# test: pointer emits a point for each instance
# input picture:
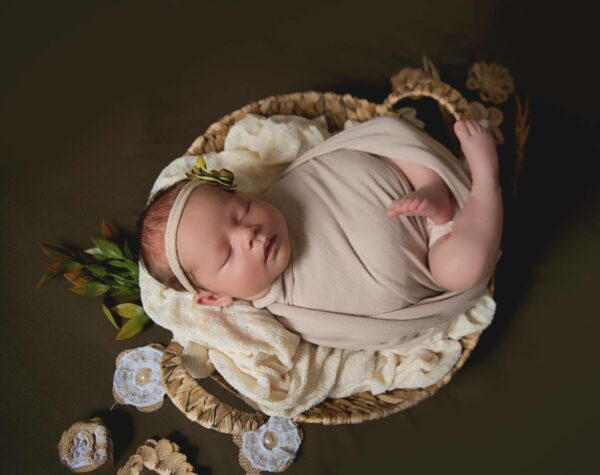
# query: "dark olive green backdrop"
(98, 96)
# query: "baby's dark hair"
(150, 232)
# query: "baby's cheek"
(252, 280)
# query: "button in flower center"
(270, 440)
(143, 377)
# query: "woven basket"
(202, 407)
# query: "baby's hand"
(431, 201)
(410, 205)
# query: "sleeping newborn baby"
(374, 239)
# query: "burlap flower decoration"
(272, 447)
(85, 446)
(162, 457)
(137, 381)
(411, 76)
(493, 81)
(407, 76)
(489, 118)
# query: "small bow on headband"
(223, 177)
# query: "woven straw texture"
(185, 392)
(157, 456)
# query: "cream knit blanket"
(272, 368)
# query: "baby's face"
(221, 240)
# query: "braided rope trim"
(199, 405)
(161, 456)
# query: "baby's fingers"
(396, 207)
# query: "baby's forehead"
(210, 203)
(210, 196)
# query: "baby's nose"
(248, 237)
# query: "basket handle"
(448, 97)
(198, 404)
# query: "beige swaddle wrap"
(358, 279)
(271, 367)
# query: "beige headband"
(199, 175)
(171, 233)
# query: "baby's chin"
(264, 291)
(257, 295)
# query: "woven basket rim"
(205, 409)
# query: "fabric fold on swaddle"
(358, 279)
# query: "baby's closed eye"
(243, 216)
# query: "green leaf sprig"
(105, 270)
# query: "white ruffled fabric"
(88, 450)
(125, 384)
(274, 456)
(272, 368)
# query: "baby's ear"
(202, 297)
